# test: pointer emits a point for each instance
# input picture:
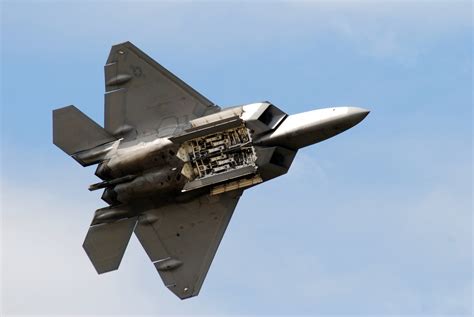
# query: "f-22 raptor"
(173, 165)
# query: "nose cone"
(314, 126)
(356, 114)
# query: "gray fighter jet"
(173, 164)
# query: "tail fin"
(73, 131)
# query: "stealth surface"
(142, 97)
(105, 243)
(180, 164)
(182, 239)
(73, 131)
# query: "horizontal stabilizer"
(105, 243)
(73, 131)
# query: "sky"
(375, 221)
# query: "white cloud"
(307, 249)
(46, 271)
(356, 248)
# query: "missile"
(104, 184)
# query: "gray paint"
(173, 165)
(74, 132)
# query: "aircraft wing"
(182, 239)
(143, 97)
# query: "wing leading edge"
(143, 97)
(182, 239)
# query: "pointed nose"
(356, 114)
(347, 118)
(302, 129)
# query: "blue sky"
(377, 220)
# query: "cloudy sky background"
(375, 221)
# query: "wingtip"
(122, 44)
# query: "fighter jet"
(173, 164)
